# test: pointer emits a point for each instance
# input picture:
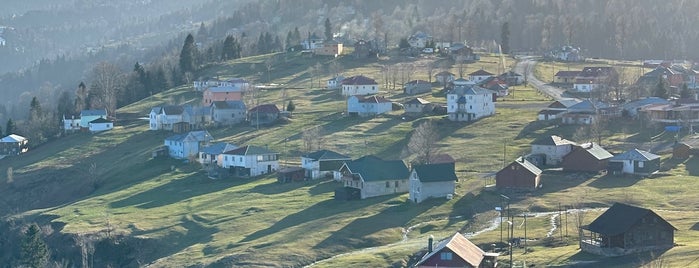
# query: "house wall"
(175, 149)
(85, 120)
(650, 231)
(349, 90)
(587, 87)
(71, 124)
(378, 188)
(228, 116)
(412, 89)
(444, 79)
(581, 160)
(209, 96)
(311, 166)
(258, 164)
(96, 127)
(476, 107)
(437, 261)
(516, 176)
(154, 122)
(366, 109)
(478, 78)
(13, 148)
(419, 191)
(414, 108)
(554, 154)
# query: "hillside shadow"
(531, 129)
(173, 192)
(383, 127)
(275, 187)
(357, 234)
(613, 181)
(322, 95)
(556, 181)
(323, 187)
(175, 241)
(317, 211)
(343, 123)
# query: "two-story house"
(209, 154)
(229, 112)
(164, 118)
(185, 145)
(222, 93)
(372, 176)
(553, 148)
(479, 76)
(359, 85)
(367, 105)
(249, 161)
(431, 181)
(469, 102)
(323, 163)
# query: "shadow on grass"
(358, 233)
(175, 241)
(277, 188)
(317, 211)
(175, 191)
(323, 187)
(612, 181)
(322, 95)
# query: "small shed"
(681, 150)
(520, 174)
(290, 174)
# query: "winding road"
(526, 66)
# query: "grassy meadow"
(108, 183)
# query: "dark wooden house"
(625, 229)
(456, 251)
(290, 174)
(681, 150)
(590, 157)
(520, 174)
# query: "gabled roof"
(372, 99)
(265, 108)
(218, 148)
(359, 80)
(326, 155)
(435, 172)
(526, 165)
(564, 103)
(470, 90)
(480, 72)
(643, 102)
(191, 136)
(596, 150)
(101, 112)
(587, 106)
(420, 101)
(373, 168)
(234, 104)
(225, 89)
(462, 247)
(13, 138)
(250, 150)
(197, 110)
(100, 121)
(172, 110)
(619, 218)
(552, 140)
(635, 155)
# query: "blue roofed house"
(185, 145)
(165, 117)
(87, 116)
(371, 176)
(13, 145)
(636, 162)
(432, 180)
(468, 102)
(209, 154)
(323, 163)
(632, 108)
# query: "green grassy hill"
(107, 184)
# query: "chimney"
(429, 244)
(521, 159)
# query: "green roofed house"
(625, 229)
(432, 180)
(323, 163)
(371, 176)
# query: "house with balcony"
(467, 102)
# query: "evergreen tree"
(33, 250)
(269, 42)
(505, 37)
(660, 89)
(328, 30)
(159, 81)
(291, 106)
(34, 109)
(289, 40)
(2, 135)
(80, 98)
(297, 36)
(188, 55)
(65, 105)
(10, 127)
(231, 48)
(261, 45)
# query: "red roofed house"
(565, 77)
(479, 75)
(263, 114)
(359, 85)
(367, 105)
(456, 251)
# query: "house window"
(396, 184)
(445, 256)
(388, 184)
(640, 164)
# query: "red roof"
(359, 80)
(265, 108)
(480, 72)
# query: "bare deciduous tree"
(10, 175)
(106, 82)
(312, 139)
(430, 70)
(423, 142)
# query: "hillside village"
(354, 143)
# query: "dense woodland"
(52, 48)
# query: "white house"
(335, 82)
(323, 163)
(372, 176)
(367, 106)
(100, 124)
(553, 147)
(229, 112)
(182, 146)
(312, 42)
(13, 145)
(359, 85)
(635, 162)
(419, 40)
(479, 76)
(86, 116)
(249, 161)
(432, 180)
(209, 154)
(71, 123)
(469, 102)
(165, 117)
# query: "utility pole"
(525, 232)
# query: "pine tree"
(231, 48)
(65, 105)
(505, 37)
(660, 89)
(34, 109)
(10, 127)
(80, 98)
(289, 40)
(328, 30)
(33, 250)
(188, 55)
(291, 106)
(403, 43)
